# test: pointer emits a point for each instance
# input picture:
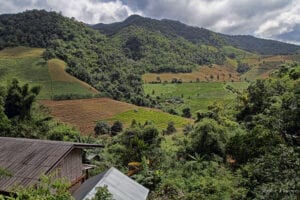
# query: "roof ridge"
(75, 144)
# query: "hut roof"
(118, 184)
(28, 159)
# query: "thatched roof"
(28, 159)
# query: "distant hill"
(172, 28)
(155, 52)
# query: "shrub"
(102, 128)
(116, 128)
(170, 128)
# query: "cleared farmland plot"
(214, 73)
(84, 113)
(28, 66)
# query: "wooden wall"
(70, 168)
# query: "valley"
(186, 112)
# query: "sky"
(272, 19)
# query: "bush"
(116, 128)
(208, 139)
(102, 128)
(170, 128)
(186, 112)
(72, 96)
(243, 68)
(102, 194)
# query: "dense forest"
(173, 29)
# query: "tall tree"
(19, 99)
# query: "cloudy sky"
(276, 19)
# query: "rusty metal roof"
(28, 159)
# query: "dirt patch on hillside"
(84, 113)
(213, 73)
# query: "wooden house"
(28, 159)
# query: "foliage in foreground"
(46, 189)
(249, 152)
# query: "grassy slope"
(159, 118)
(27, 65)
(197, 96)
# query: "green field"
(160, 119)
(196, 96)
(28, 66)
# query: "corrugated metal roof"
(28, 159)
(119, 185)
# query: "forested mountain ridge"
(172, 28)
(89, 55)
(154, 52)
(113, 64)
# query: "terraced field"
(84, 113)
(28, 66)
(262, 67)
(196, 96)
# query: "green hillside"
(28, 66)
(154, 52)
(196, 35)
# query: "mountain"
(90, 55)
(197, 35)
(113, 59)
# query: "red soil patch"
(84, 113)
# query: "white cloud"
(89, 11)
(283, 22)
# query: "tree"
(186, 112)
(136, 143)
(208, 139)
(170, 128)
(102, 128)
(274, 104)
(102, 194)
(4, 121)
(19, 100)
(116, 128)
(274, 175)
(249, 145)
